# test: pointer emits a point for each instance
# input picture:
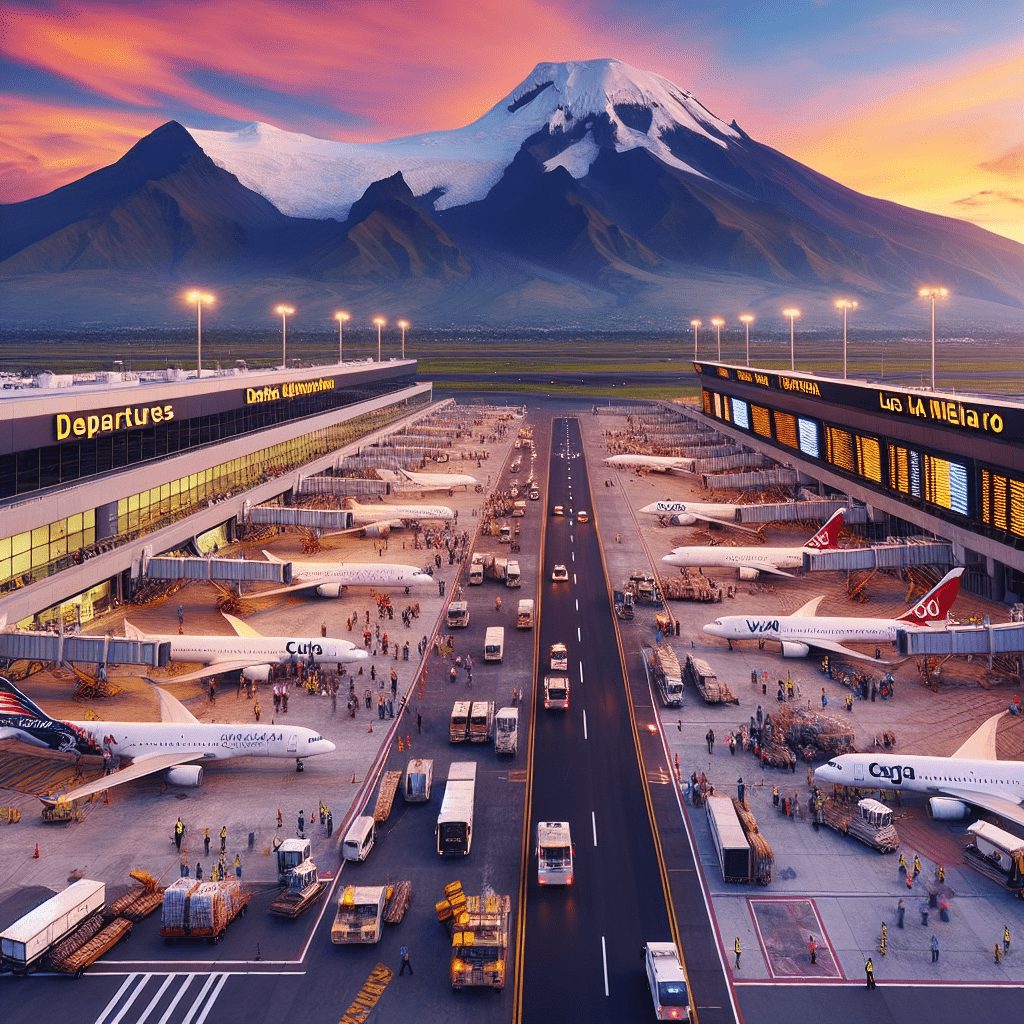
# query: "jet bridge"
(231, 570)
(321, 519)
(98, 650)
(987, 639)
(818, 510)
(901, 555)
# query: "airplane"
(687, 513)
(427, 481)
(971, 777)
(330, 579)
(750, 562)
(799, 632)
(249, 652)
(655, 463)
(171, 745)
(380, 520)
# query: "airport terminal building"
(951, 465)
(92, 473)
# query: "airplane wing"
(172, 710)
(771, 569)
(846, 652)
(988, 802)
(138, 769)
(720, 522)
(213, 669)
(810, 609)
(295, 588)
(242, 628)
(981, 744)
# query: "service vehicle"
(558, 510)
(478, 926)
(504, 534)
(667, 981)
(506, 731)
(24, 945)
(458, 614)
(304, 888)
(494, 643)
(455, 821)
(513, 577)
(476, 570)
(583, 516)
(519, 510)
(458, 727)
(559, 658)
(663, 670)
(201, 910)
(534, 493)
(360, 838)
(730, 841)
(554, 853)
(560, 574)
(360, 917)
(524, 614)
(419, 777)
(481, 721)
(290, 854)
(997, 854)
(556, 692)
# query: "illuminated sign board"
(95, 424)
(291, 389)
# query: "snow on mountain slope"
(308, 177)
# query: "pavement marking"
(581, 673)
(140, 985)
(152, 1003)
(117, 995)
(209, 1002)
(208, 984)
(577, 599)
(373, 988)
(579, 638)
(593, 822)
(604, 957)
(177, 999)
(585, 724)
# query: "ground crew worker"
(812, 949)
(206, 842)
(869, 971)
(917, 865)
(223, 839)
(902, 865)
(775, 795)
(179, 831)
(998, 953)
(710, 738)
(942, 874)
(406, 966)
(199, 871)
(737, 950)
(238, 865)
(256, 709)
(1006, 938)
(280, 820)
(935, 949)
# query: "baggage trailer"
(386, 796)
(201, 910)
(24, 945)
(478, 926)
(74, 958)
(304, 889)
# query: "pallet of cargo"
(398, 902)
(706, 682)
(386, 796)
(201, 910)
(86, 955)
(868, 820)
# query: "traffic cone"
(371, 728)
(35, 856)
(401, 746)
(408, 742)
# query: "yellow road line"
(366, 1000)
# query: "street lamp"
(341, 318)
(933, 294)
(403, 324)
(284, 311)
(380, 322)
(845, 305)
(696, 325)
(199, 298)
(717, 322)
(792, 314)
(746, 319)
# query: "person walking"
(206, 842)
(812, 949)
(935, 949)
(224, 839)
(199, 871)
(869, 972)
(710, 740)
(406, 965)
(256, 709)
(901, 909)
(998, 952)
(238, 865)
(740, 789)
(419, 722)
(179, 832)
(1006, 938)
(737, 949)
(302, 824)
(824, 704)
(775, 795)
(917, 866)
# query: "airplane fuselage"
(687, 513)
(656, 463)
(398, 515)
(266, 650)
(804, 629)
(360, 574)
(727, 557)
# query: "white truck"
(481, 721)
(513, 577)
(419, 777)
(494, 643)
(360, 917)
(458, 614)
(524, 614)
(290, 854)
(476, 570)
(554, 853)
(24, 945)
(506, 731)
(556, 692)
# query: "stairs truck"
(478, 926)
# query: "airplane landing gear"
(299, 766)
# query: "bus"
(494, 643)
(554, 853)
(455, 822)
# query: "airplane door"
(293, 743)
(858, 773)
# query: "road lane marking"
(201, 1019)
(579, 635)
(152, 1003)
(208, 984)
(142, 983)
(593, 823)
(585, 724)
(604, 957)
(177, 999)
(581, 673)
(117, 995)
(577, 599)
(369, 994)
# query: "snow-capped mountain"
(586, 105)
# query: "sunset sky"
(915, 102)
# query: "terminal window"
(899, 469)
(785, 428)
(1002, 502)
(741, 413)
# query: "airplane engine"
(330, 589)
(190, 775)
(257, 673)
(947, 809)
(377, 530)
(793, 649)
(746, 573)
(682, 520)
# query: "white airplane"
(799, 632)
(427, 481)
(655, 463)
(397, 515)
(687, 513)
(171, 745)
(750, 562)
(972, 777)
(249, 652)
(330, 579)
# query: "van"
(524, 614)
(359, 839)
(458, 730)
(554, 853)
(494, 643)
(458, 614)
(476, 571)
(506, 731)
(481, 721)
(505, 534)
(534, 493)
(513, 576)
(556, 692)
(419, 776)
(519, 509)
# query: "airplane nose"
(327, 747)
(713, 629)
(423, 578)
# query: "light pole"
(792, 314)
(933, 294)
(845, 305)
(284, 311)
(380, 322)
(696, 325)
(199, 298)
(403, 324)
(717, 322)
(746, 319)
(341, 318)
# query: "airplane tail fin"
(271, 558)
(828, 536)
(133, 632)
(935, 605)
(14, 703)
